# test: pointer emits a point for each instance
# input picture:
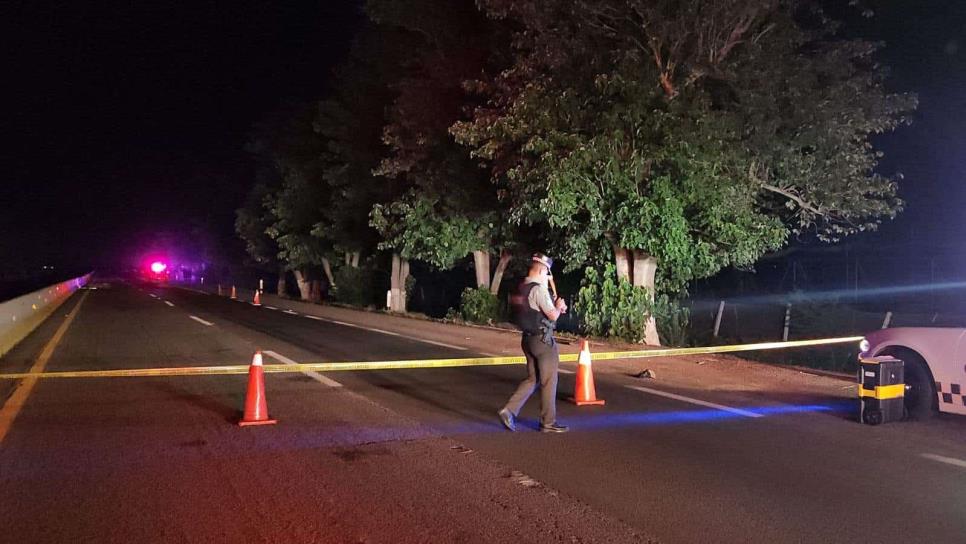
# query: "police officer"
(538, 317)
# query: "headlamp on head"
(544, 260)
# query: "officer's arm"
(547, 306)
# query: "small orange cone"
(257, 301)
(234, 294)
(584, 392)
(256, 407)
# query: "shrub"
(672, 321)
(616, 308)
(354, 286)
(479, 305)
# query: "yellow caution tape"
(678, 352)
(422, 363)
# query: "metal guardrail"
(20, 316)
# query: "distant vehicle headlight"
(864, 346)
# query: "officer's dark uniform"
(543, 358)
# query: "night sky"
(127, 119)
(124, 119)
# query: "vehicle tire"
(872, 417)
(920, 396)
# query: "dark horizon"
(128, 121)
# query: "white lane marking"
(169, 304)
(271, 308)
(153, 295)
(564, 371)
(202, 321)
(290, 312)
(390, 333)
(315, 317)
(310, 373)
(947, 460)
(699, 402)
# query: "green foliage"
(611, 307)
(251, 222)
(672, 321)
(479, 305)
(616, 308)
(415, 228)
(704, 137)
(444, 206)
(356, 286)
(410, 286)
(703, 134)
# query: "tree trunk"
(305, 285)
(397, 290)
(352, 258)
(282, 287)
(316, 290)
(328, 272)
(645, 267)
(623, 264)
(505, 257)
(481, 263)
(639, 268)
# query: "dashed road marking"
(390, 333)
(948, 460)
(270, 308)
(202, 321)
(315, 317)
(290, 312)
(310, 373)
(153, 295)
(564, 371)
(699, 402)
(169, 304)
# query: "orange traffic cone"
(257, 301)
(234, 294)
(584, 392)
(256, 407)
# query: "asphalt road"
(419, 456)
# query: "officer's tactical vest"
(530, 320)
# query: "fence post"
(887, 320)
(788, 320)
(717, 318)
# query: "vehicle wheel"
(920, 395)
(872, 417)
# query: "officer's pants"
(542, 363)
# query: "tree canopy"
(692, 135)
(703, 133)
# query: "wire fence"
(714, 322)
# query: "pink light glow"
(157, 267)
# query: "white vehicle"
(935, 366)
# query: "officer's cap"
(543, 259)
